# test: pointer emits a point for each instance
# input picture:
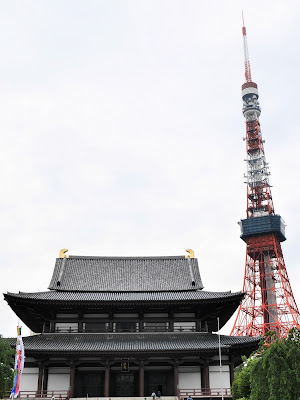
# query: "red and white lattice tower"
(269, 304)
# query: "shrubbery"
(6, 366)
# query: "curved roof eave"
(157, 296)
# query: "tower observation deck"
(269, 304)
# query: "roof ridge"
(127, 257)
(136, 291)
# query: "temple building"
(128, 326)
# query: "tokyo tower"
(269, 304)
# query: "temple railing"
(152, 328)
(41, 394)
(200, 393)
(183, 394)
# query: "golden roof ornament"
(62, 253)
(191, 253)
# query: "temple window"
(125, 326)
(184, 326)
(66, 327)
(95, 326)
(156, 326)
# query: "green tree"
(241, 387)
(273, 372)
(6, 366)
(276, 375)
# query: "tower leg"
(269, 304)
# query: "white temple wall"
(58, 378)
(218, 380)
(189, 377)
(29, 379)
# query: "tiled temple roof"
(134, 342)
(126, 274)
(99, 283)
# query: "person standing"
(153, 395)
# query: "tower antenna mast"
(246, 54)
(269, 304)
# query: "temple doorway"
(89, 384)
(162, 381)
(123, 384)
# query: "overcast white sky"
(121, 133)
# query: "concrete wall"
(189, 377)
(29, 379)
(59, 378)
(217, 380)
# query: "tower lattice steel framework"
(269, 303)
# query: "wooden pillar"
(106, 379)
(176, 389)
(52, 326)
(141, 321)
(110, 322)
(80, 322)
(231, 370)
(171, 321)
(45, 380)
(198, 321)
(205, 385)
(52, 322)
(72, 379)
(40, 380)
(142, 379)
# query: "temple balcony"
(135, 328)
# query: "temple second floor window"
(93, 326)
(66, 327)
(125, 326)
(156, 326)
(184, 326)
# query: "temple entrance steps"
(124, 398)
(211, 396)
(27, 396)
